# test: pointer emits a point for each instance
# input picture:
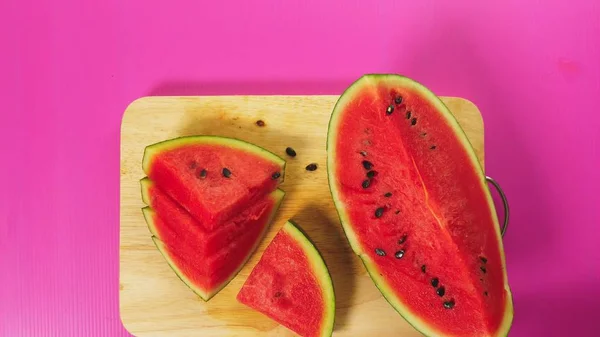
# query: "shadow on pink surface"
(197, 88)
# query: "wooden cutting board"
(154, 302)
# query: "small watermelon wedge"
(213, 178)
(291, 285)
(205, 274)
(183, 229)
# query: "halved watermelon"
(185, 230)
(213, 178)
(207, 275)
(413, 202)
(291, 285)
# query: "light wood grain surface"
(154, 302)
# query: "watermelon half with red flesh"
(291, 285)
(174, 233)
(213, 177)
(414, 204)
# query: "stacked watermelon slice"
(209, 203)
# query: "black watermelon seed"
(379, 252)
(432, 147)
(399, 254)
(485, 293)
(276, 175)
(379, 212)
(483, 269)
(435, 282)
(366, 183)
(363, 153)
(202, 174)
(424, 134)
(449, 304)
(413, 121)
(402, 239)
(371, 174)
(226, 172)
(311, 167)
(388, 194)
(408, 113)
(290, 152)
(398, 99)
(483, 259)
(193, 165)
(260, 123)
(389, 110)
(397, 211)
(423, 268)
(278, 294)
(440, 291)
(367, 164)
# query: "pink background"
(69, 69)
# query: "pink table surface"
(70, 68)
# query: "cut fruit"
(291, 285)
(207, 275)
(414, 204)
(185, 230)
(213, 178)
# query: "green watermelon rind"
(278, 195)
(152, 150)
(320, 271)
(380, 283)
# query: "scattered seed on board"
(367, 164)
(399, 254)
(435, 282)
(260, 123)
(440, 291)
(311, 167)
(449, 304)
(276, 175)
(379, 212)
(366, 183)
(290, 152)
(379, 252)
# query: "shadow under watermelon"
(318, 222)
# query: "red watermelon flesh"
(414, 204)
(291, 285)
(213, 178)
(184, 229)
(205, 275)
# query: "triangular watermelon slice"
(213, 178)
(207, 275)
(291, 285)
(184, 229)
